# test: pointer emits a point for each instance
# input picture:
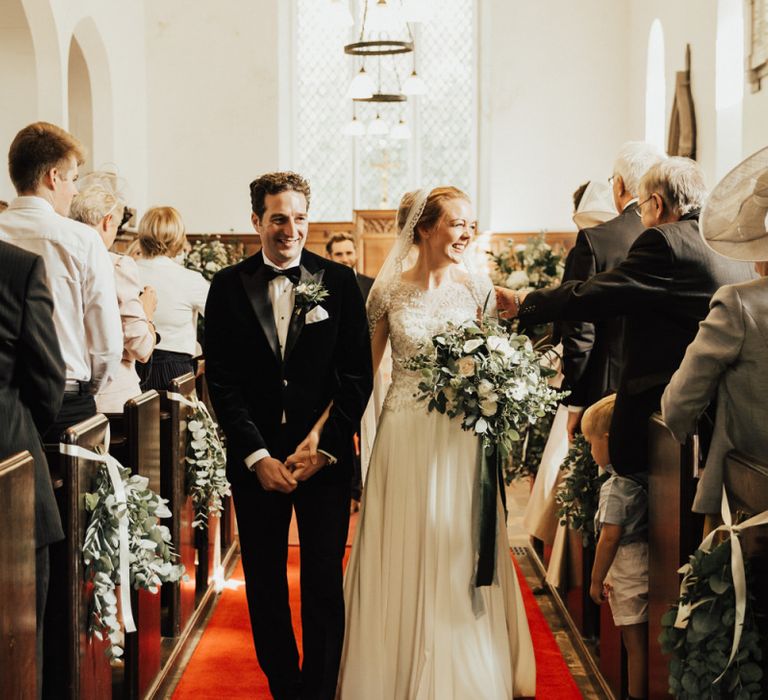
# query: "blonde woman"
(181, 295)
(101, 207)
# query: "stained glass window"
(370, 171)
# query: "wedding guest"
(181, 295)
(341, 248)
(101, 207)
(43, 162)
(728, 358)
(620, 569)
(32, 376)
(592, 350)
(662, 288)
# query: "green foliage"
(211, 255)
(206, 476)
(700, 651)
(493, 379)
(526, 453)
(150, 549)
(578, 494)
(531, 265)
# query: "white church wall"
(555, 95)
(214, 116)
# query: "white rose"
(519, 391)
(471, 345)
(517, 280)
(211, 266)
(466, 367)
(489, 406)
(484, 389)
(499, 345)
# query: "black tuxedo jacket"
(662, 289)
(251, 385)
(592, 350)
(32, 375)
(365, 283)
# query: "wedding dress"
(416, 627)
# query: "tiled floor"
(517, 498)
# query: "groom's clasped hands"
(305, 462)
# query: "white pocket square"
(316, 314)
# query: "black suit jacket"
(32, 375)
(251, 385)
(592, 351)
(662, 289)
(365, 283)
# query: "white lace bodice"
(414, 316)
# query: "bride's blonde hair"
(433, 209)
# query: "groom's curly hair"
(275, 183)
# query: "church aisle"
(224, 663)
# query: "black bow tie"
(292, 273)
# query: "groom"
(276, 357)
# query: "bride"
(416, 627)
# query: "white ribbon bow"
(737, 572)
(122, 521)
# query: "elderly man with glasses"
(662, 289)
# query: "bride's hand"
(309, 444)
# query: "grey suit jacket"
(728, 357)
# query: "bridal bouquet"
(491, 377)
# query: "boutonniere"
(308, 293)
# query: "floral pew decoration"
(209, 256)
(124, 544)
(712, 633)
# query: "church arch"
(655, 87)
(91, 94)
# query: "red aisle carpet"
(224, 663)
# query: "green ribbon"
(489, 466)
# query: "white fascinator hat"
(596, 206)
(733, 219)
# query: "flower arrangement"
(151, 553)
(209, 256)
(531, 265)
(700, 649)
(308, 293)
(206, 476)
(490, 377)
(578, 494)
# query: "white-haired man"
(592, 350)
(662, 289)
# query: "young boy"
(620, 571)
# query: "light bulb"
(354, 128)
(401, 130)
(378, 127)
(414, 85)
(361, 86)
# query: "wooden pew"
(178, 599)
(674, 533)
(17, 577)
(75, 665)
(583, 612)
(136, 444)
(746, 482)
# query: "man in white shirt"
(43, 161)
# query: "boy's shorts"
(628, 577)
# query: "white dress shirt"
(282, 297)
(82, 282)
(181, 295)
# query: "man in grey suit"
(662, 289)
(592, 350)
(728, 358)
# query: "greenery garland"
(579, 492)
(700, 651)
(206, 466)
(150, 549)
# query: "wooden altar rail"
(75, 665)
(136, 444)
(17, 577)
